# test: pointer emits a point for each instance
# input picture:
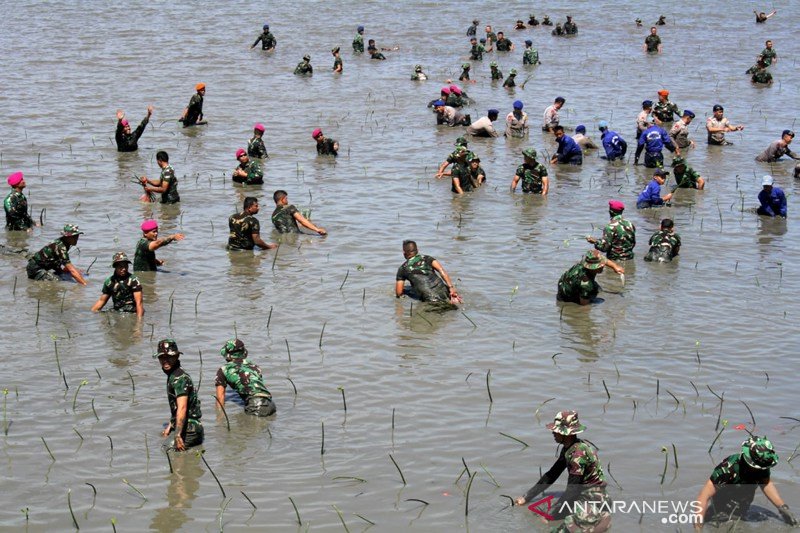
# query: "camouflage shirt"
(267, 40)
(736, 486)
(242, 227)
(582, 461)
(244, 377)
(326, 147)
(510, 81)
(761, 76)
(51, 257)
(497, 74)
(476, 52)
(574, 285)
(144, 259)
(531, 177)
(664, 246)
(304, 68)
(255, 174)
(530, 56)
(256, 148)
(337, 62)
(687, 179)
(129, 142)
(121, 291)
(283, 219)
(664, 111)
(473, 174)
(461, 171)
(180, 384)
(16, 207)
(464, 76)
(358, 43)
(424, 280)
(194, 110)
(619, 239)
(170, 196)
(768, 55)
(454, 100)
(652, 42)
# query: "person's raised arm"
(158, 243)
(771, 492)
(614, 266)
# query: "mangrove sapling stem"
(606, 388)
(227, 420)
(288, 351)
(69, 504)
(345, 279)
(78, 433)
(474, 325)
(293, 386)
(48, 449)
(169, 461)
(463, 462)
(496, 484)
(344, 401)
(142, 496)
(469, 486)
(675, 455)
(322, 444)
(402, 477)
(248, 500)
(296, 512)
(94, 411)
(269, 317)
(74, 398)
(110, 443)
(277, 249)
(751, 413)
(341, 518)
(713, 442)
(367, 520)
(321, 333)
(612, 476)
(666, 459)
(222, 490)
(525, 444)
(488, 388)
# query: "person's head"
(529, 154)
(121, 264)
(488, 28)
(662, 18)
(475, 22)
(371, 43)
(438, 106)
(317, 135)
(679, 164)
(653, 30)
(602, 125)
(70, 234)
(241, 156)
(558, 131)
(559, 102)
(569, 18)
(565, 426)
(258, 130)
(162, 158)
(647, 105)
(460, 153)
(306, 58)
(16, 180)
(233, 350)
(280, 197)
(787, 136)
(360, 29)
(660, 175)
(512, 72)
(473, 41)
(126, 126)
(335, 51)
(718, 111)
(638, 22)
(483, 40)
(528, 43)
(474, 161)
(445, 91)
(200, 88)
(265, 27)
(493, 65)
(688, 116)
(492, 114)
(250, 205)
(768, 44)
(593, 263)
(461, 141)
(663, 94)
(418, 68)
(615, 207)
(409, 249)
(667, 224)
(500, 36)
(759, 453)
(518, 105)
(168, 355)
(580, 128)
(150, 229)
(766, 182)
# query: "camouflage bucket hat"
(234, 349)
(593, 260)
(418, 68)
(167, 347)
(566, 423)
(678, 161)
(759, 453)
(306, 57)
(471, 156)
(529, 152)
(70, 230)
(120, 257)
(460, 150)
(493, 64)
(461, 141)
(512, 72)
(466, 66)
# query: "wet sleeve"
(258, 39)
(255, 227)
(107, 287)
(118, 134)
(140, 129)
(782, 204)
(401, 274)
(255, 172)
(292, 210)
(219, 379)
(571, 494)
(181, 385)
(547, 479)
(135, 285)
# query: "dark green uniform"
(619, 239)
(454, 100)
(476, 52)
(510, 81)
(530, 56)
(376, 54)
(504, 45)
(255, 174)
(497, 74)
(170, 196)
(144, 259)
(652, 42)
(16, 208)
(194, 111)
(736, 486)
(180, 384)
(129, 142)
(570, 28)
(267, 40)
(531, 177)
(121, 292)
(420, 273)
(242, 226)
(464, 75)
(686, 179)
(326, 147)
(283, 219)
(768, 55)
(256, 148)
(246, 379)
(358, 43)
(48, 263)
(337, 62)
(461, 171)
(761, 75)
(664, 111)
(664, 246)
(473, 176)
(575, 285)
(304, 68)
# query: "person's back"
(242, 227)
(664, 246)
(419, 271)
(574, 285)
(283, 219)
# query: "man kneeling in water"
(426, 275)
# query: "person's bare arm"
(514, 183)
(261, 244)
(457, 186)
(399, 287)
(137, 299)
(614, 266)
(303, 221)
(706, 493)
(157, 186)
(220, 396)
(442, 167)
(158, 243)
(545, 185)
(443, 273)
(180, 421)
(75, 273)
(102, 301)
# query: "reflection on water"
(184, 482)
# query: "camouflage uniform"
(337, 62)
(144, 259)
(245, 378)
(194, 111)
(180, 384)
(358, 43)
(256, 148)
(283, 219)
(476, 52)
(129, 142)
(326, 147)
(419, 271)
(267, 40)
(472, 175)
(454, 100)
(531, 177)
(242, 226)
(570, 28)
(496, 73)
(170, 196)
(51, 257)
(574, 285)
(736, 487)
(461, 171)
(465, 68)
(686, 179)
(530, 56)
(652, 42)
(510, 79)
(16, 208)
(761, 76)
(768, 55)
(619, 239)
(376, 54)
(121, 292)
(664, 246)
(664, 111)
(255, 174)
(304, 68)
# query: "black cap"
(661, 172)
(790, 133)
(718, 107)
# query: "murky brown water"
(733, 290)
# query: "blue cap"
(580, 129)
(528, 42)
(647, 103)
(438, 102)
(602, 125)
(360, 28)
(266, 26)
(688, 113)
(518, 104)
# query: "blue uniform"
(615, 146)
(569, 151)
(773, 203)
(650, 196)
(653, 140)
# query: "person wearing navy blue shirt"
(772, 199)
(651, 195)
(652, 141)
(615, 146)
(569, 152)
